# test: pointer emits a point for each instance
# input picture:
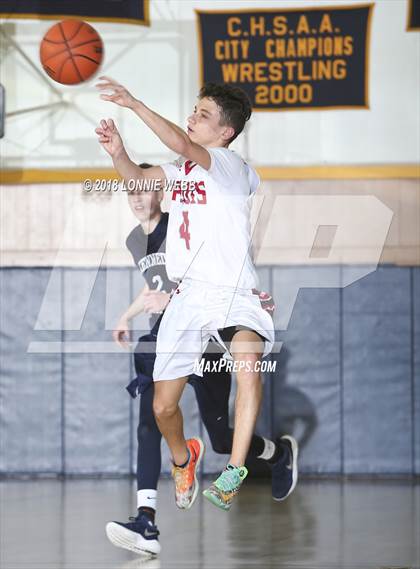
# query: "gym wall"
(347, 382)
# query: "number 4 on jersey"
(183, 229)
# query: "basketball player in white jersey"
(208, 255)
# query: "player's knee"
(220, 435)
(221, 446)
(248, 364)
(163, 410)
(252, 358)
(146, 428)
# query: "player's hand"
(109, 137)
(155, 301)
(118, 94)
(121, 334)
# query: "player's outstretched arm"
(169, 133)
(111, 141)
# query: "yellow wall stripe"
(379, 172)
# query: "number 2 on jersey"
(159, 282)
(183, 229)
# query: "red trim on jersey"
(189, 165)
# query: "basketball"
(71, 52)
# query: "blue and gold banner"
(413, 23)
(307, 58)
(124, 11)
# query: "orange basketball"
(71, 51)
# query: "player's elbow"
(221, 446)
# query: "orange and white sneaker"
(186, 483)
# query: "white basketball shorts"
(194, 314)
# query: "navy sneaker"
(285, 472)
(139, 535)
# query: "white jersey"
(208, 236)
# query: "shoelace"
(229, 479)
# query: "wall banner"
(125, 11)
(307, 58)
(413, 23)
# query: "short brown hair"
(233, 102)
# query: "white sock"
(269, 449)
(146, 499)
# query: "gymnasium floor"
(327, 524)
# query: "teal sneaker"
(225, 488)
